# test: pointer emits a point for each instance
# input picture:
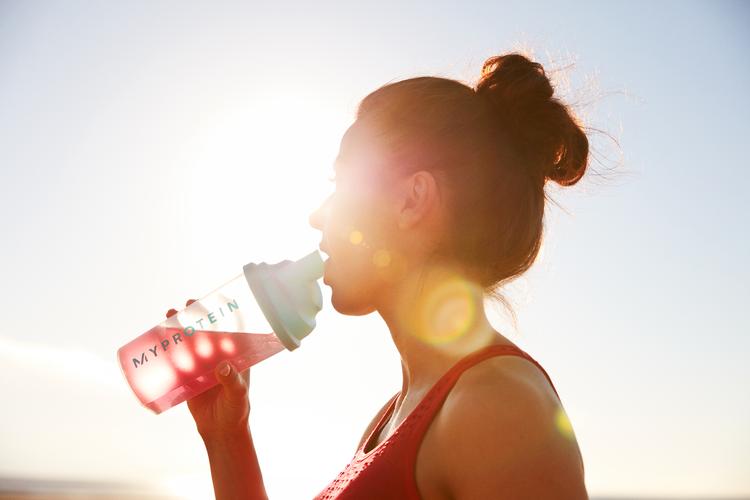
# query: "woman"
(439, 200)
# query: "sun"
(258, 164)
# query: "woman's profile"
(439, 201)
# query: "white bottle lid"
(289, 295)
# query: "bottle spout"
(311, 265)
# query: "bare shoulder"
(502, 428)
(506, 374)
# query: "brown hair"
(492, 148)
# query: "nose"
(317, 218)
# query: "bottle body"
(175, 360)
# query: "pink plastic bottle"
(264, 310)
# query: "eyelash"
(332, 179)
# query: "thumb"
(230, 379)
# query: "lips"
(322, 249)
(325, 263)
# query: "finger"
(245, 376)
(172, 312)
(234, 384)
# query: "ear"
(419, 196)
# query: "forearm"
(235, 470)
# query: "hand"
(223, 410)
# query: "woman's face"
(358, 225)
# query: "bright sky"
(148, 151)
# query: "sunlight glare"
(227, 345)
(447, 313)
(183, 359)
(269, 154)
(563, 425)
(203, 346)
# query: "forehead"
(358, 148)
(360, 165)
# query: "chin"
(349, 304)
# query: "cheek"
(347, 241)
(356, 231)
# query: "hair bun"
(542, 129)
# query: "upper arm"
(503, 435)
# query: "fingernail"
(224, 370)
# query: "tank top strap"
(434, 399)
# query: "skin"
(496, 434)
(496, 431)
(221, 416)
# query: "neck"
(436, 316)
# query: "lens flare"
(448, 312)
(382, 258)
(563, 425)
(355, 237)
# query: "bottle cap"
(289, 295)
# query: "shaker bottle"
(262, 311)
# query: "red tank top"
(388, 470)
